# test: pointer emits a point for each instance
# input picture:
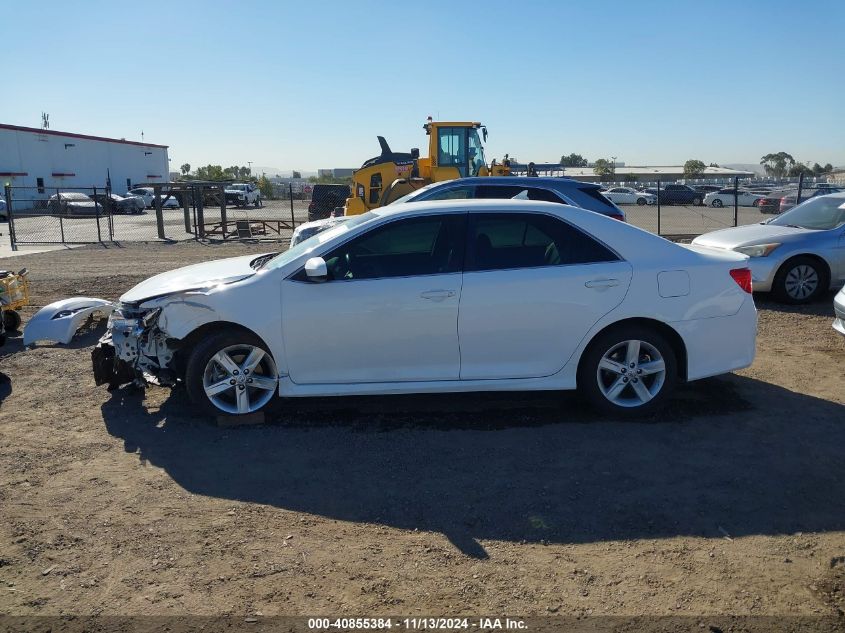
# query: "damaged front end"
(134, 349)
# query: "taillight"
(618, 216)
(742, 276)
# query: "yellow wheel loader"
(455, 150)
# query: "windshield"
(410, 197)
(315, 240)
(821, 213)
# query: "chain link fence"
(208, 210)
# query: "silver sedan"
(798, 255)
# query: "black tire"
(696, 202)
(718, 204)
(786, 286)
(11, 320)
(199, 359)
(641, 201)
(589, 376)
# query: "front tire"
(231, 372)
(628, 371)
(11, 320)
(800, 280)
(696, 202)
(641, 201)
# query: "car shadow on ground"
(730, 455)
(823, 306)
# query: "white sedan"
(628, 195)
(725, 198)
(459, 295)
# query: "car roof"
(516, 206)
(522, 181)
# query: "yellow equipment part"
(455, 151)
(14, 289)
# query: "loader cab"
(455, 151)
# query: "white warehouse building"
(34, 157)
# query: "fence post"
(110, 216)
(290, 192)
(8, 195)
(223, 222)
(200, 232)
(97, 216)
(159, 214)
(800, 187)
(61, 215)
(185, 208)
(658, 206)
(736, 201)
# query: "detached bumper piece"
(109, 369)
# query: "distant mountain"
(257, 170)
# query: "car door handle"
(437, 295)
(602, 283)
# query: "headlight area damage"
(134, 349)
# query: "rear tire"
(800, 280)
(609, 382)
(718, 204)
(11, 320)
(231, 372)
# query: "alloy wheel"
(801, 282)
(240, 379)
(631, 373)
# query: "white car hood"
(746, 235)
(194, 277)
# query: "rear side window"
(498, 241)
(597, 201)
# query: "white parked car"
(459, 295)
(839, 311)
(629, 195)
(725, 198)
(145, 193)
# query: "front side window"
(451, 193)
(428, 245)
(500, 241)
(476, 153)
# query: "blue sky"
(307, 85)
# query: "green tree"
(777, 165)
(186, 169)
(713, 165)
(602, 168)
(296, 174)
(265, 187)
(210, 172)
(573, 160)
(799, 168)
(827, 168)
(694, 168)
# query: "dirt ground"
(730, 501)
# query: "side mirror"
(315, 270)
(415, 153)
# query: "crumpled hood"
(746, 235)
(192, 277)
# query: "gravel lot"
(674, 220)
(730, 501)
